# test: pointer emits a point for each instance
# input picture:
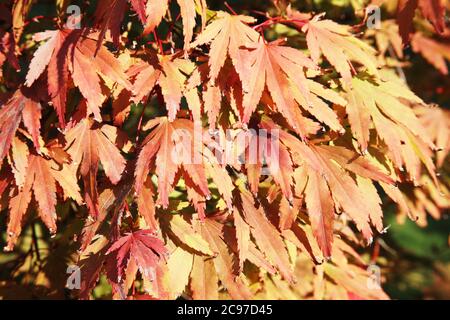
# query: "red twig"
(158, 41)
(297, 23)
(376, 252)
(37, 18)
(140, 123)
(142, 116)
(230, 8)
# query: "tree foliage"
(94, 108)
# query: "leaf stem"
(230, 8)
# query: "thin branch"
(35, 242)
(230, 8)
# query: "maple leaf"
(71, 50)
(156, 9)
(386, 36)
(242, 236)
(356, 209)
(91, 261)
(277, 159)
(187, 11)
(179, 266)
(338, 46)
(343, 273)
(146, 204)
(347, 195)
(437, 123)
(316, 105)
(394, 121)
(227, 34)
(415, 202)
(204, 279)
(18, 160)
(7, 51)
(40, 178)
(170, 74)
(436, 53)
(139, 7)
(405, 14)
(146, 76)
(275, 66)
(351, 279)
(172, 82)
(227, 87)
(159, 146)
(111, 200)
(89, 143)
(19, 108)
(109, 17)
(20, 11)
(212, 232)
(432, 10)
(339, 279)
(54, 55)
(331, 164)
(44, 189)
(266, 235)
(236, 238)
(141, 248)
(321, 210)
(172, 146)
(181, 230)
